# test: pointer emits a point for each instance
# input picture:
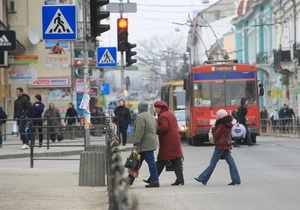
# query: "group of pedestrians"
(281, 120)
(146, 129)
(36, 114)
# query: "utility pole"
(86, 98)
(295, 26)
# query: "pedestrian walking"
(274, 120)
(3, 118)
(71, 120)
(22, 109)
(221, 132)
(123, 120)
(290, 120)
(241, 118)
(145, 141)
(283, 118)
(169, 142)
(52, 115)
(264, 119)
(37, 110)
(95, 120)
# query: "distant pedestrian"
(274, 120)
(145, 141)
(1, 122)
(22, 109)
(221, 132)
(290, 116)
(241, 118)
(95, 120)
(37, 110)
(264, 119)
(52, 115)
(71, 119)
(283, 117)
(123, 120)
(102, 120)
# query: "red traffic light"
(122, 23)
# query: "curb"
(52, 154)
(44, 154)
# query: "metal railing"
(281, 127)
(118, 199)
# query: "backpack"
(235, 114)
(3, 116)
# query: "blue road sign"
(105, 89)
(106, 56)
(59, 22)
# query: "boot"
(235, 143)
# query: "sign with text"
(51, 82)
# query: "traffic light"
(122, 34)
(96, 16)
(129, 54)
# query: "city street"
(269, 172)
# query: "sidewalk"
(50, 184)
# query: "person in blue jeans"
(222, 134)
(145, 141)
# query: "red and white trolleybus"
(219, 85)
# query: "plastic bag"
(14, 129)
(238, 131)
(129, 129)
(211, 137)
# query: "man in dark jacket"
(123, 120)
(21, 112)
(242, 112)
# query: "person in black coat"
(71, 120)
(241, 118)
(123, 120)
(21, 112)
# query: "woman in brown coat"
(169, 142)
(222, 135)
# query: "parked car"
(180, 116)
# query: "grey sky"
(154, 18)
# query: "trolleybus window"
(218, 93)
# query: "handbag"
(60, 137)
(132, 162)
(211, 137)
(169, 166)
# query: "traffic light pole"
(122, 73)
(122, 56)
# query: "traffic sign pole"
(86, 79)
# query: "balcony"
(262, 58)
(281, 56)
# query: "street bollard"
(92, 169)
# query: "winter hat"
(243, 100)
(222, 113)
(161, 104)
(143, 106)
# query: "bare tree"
(164, 55)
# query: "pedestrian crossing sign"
(106, 56)
(59, 22)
